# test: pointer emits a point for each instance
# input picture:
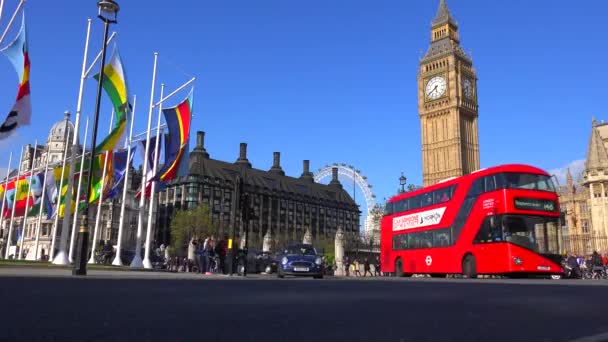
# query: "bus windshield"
(536, 233)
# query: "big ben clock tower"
(447, 104)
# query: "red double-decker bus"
(501, 220)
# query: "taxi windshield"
(300, 250)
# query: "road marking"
(593, 338)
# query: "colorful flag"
(21, 113)
(96, 184)
(178, 125)
(151, 157)
(17, 191)
(115, 85)
(120, 165)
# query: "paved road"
(50, 305)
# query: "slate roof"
(270, 182)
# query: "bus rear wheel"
(398, 268)
(469, 267)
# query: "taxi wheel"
(280, 274)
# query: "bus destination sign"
(535, 204)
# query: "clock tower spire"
(447, 104)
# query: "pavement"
(51, 305)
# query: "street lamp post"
(107, 12)
(402, 181)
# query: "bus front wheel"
(469, 267)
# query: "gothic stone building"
(586, 206)
(286, 206)
(447, 104)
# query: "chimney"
(306, 174)
(243, 151)
(200, 145)
(243, 156)
(276, 164)
(334, 177)
(200, 139)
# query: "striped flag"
(178, 124)
(21, 113)
(115, 85)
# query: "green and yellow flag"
(115, 85)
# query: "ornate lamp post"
(108, 13)
(402, 181)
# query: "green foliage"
(327, 246)
(190, 224)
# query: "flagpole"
(84, 144)
(100, 200)
(88, 70)
(10, 229)
(147, 263)
(137, 262)
(1, 7)
(125, 186)
(8, 173)
(56, 222)
(10, 23)
(27, 202)
(62, 258)
(42, 197)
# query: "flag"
(115, 85)
(151, 157)
(36, 193)
(21, 113)
(120, 165)
(17, 190)
(96, 184)
(178, 125)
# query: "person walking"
(367, 268)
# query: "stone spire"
(569, 182)
(597, 157)
(443, 15)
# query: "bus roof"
(473, 175)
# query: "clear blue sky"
(332, 81)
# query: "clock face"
(467, 88)
(435, 88)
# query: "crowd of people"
(352, 267)
(593, 266)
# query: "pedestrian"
(198, 254)
(377, 267)
(347, 265)
(356, 270)
(367, 268)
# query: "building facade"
(584, 201)
(58, 145)
(447, 104)
(286, 207)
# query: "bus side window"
(484, 234)
(490, 183)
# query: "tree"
(190, 224)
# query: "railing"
(585, 244)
